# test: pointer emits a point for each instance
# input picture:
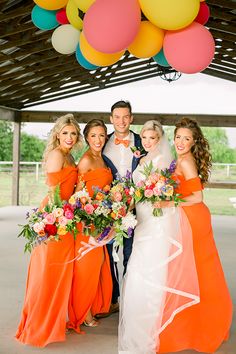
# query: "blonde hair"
(153, 125)
(60, 123)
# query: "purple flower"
(104, 233)
(172, 166)
(130, 232)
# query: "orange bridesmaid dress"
(45, 308)
(204, 326)
(92, 282)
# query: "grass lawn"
(33, 191)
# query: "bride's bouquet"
(158, 185)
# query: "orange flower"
(106, 188)
(99, 196)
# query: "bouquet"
(120, 197)
(106, 215)
(49, 223)
(157, 186)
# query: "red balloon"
(61, 17)
(111, 25)
(203, 14)
(189, 50)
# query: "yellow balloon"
(170, 14)
(51, 4)
(95, 57)
(73, 16)
(84, 5)
(148, 41)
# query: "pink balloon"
(189, 50)
(111, 25)
(61, 17)
(203, 14)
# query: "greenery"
(31, 147)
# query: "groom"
(119, 157)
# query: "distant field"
(33, 191)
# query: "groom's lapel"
(137, 143)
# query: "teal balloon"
(44, 19)
(161, 59)
(82, 61)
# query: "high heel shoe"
(92, 323)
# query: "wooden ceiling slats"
(32, 71)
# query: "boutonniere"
(138, 151)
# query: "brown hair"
(200, 149)
(122, 104)
(91, 124)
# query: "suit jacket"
(135, 161)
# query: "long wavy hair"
(60, 123)
(200, 149)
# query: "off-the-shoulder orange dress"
(92, 282)
(45, 308)
(204, 326)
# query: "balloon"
(203, 14)
(84, 4)
(61, 17)
(111, 25)
(189, 50)
(95, 57)
(44, 19)
(51, 4)
(65, 39)
(148, 41)
(170, 14)
(72, 14)
(82, 61)
(161, 59)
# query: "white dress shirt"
(120, 155)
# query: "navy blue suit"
(128, 242)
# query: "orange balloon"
(95, 57)
(148, 41)
(51, 4)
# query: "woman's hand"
(164, 204)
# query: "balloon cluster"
(173, 32)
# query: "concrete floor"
(100, 340)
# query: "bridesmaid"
(204, 326)
(92, 283)
(44, 313)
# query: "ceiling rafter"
(31, 71)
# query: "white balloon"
(65, 39)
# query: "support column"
(16, 162)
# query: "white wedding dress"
(152, 292)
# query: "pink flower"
(89, 208)
(148, 193)
(50, 219)
(117, 196)
(62, 220)
(69, 214)
(156, 191)
(140, 184)
(137, 154)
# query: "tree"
(31, 148)
(219, 145)
(6, 138)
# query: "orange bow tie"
(120, 141)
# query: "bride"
(161, 277)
